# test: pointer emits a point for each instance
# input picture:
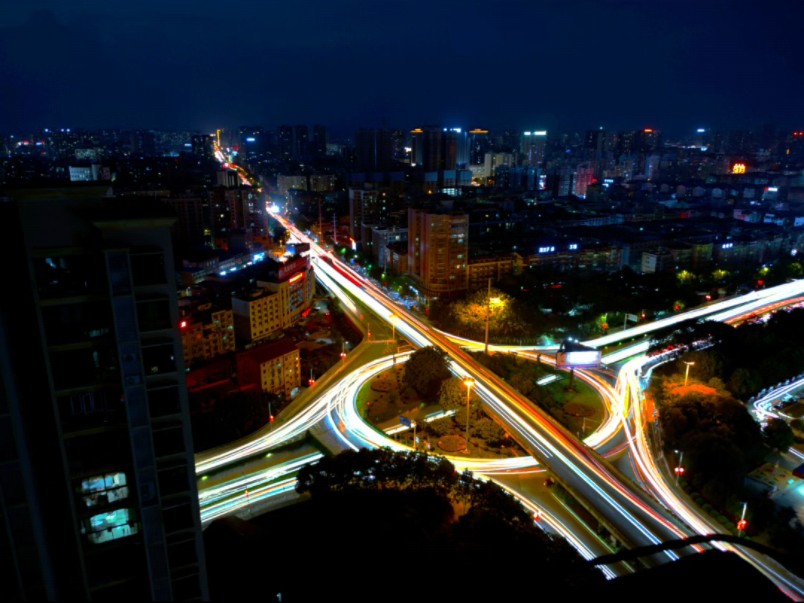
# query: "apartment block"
(97, 478)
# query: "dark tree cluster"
(403, 540)
(554, 303)
(388, 517)
(720, 441)
(379, 469)
(749, 358)
(425, 371)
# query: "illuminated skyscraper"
(438, 249)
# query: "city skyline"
(568, 66)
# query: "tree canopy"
(747, 358)
(778, 435)
(719, 439)
(425, 371)
(423, 511)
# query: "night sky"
(527, 64)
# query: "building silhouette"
(98, 492)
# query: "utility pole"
(488, 312)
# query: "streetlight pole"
(488, 312)
(742, 524)
(392, 319)
(680, 468)
(687, 372)
(469, 382)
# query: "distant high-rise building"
(533, 145)
(507, 141)
(794, 147)
(374, 149)
(285, 143)
(584, 176)
(253, 142)
(202, 146)
(493, 161)
(427, 148)
(702, 138)
(98, 497)
(455, 152)
(367, 208)
(418, 143)
(437, 149)
(294, 142)
(626, 143)
(143, 143)
(301, 142)
(479, 145)
(600, 145)
(398, 146)
(648, 140)
(438, 251)
(319, 146)
(193, 228)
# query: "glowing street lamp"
(468, 382)
(687, 372)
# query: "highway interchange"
(643, 509)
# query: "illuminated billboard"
(572, 354)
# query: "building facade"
(274, 367)
(98, 495)
(272, 305)
(438, 249)
(207, 331)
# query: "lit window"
(104, 489)
(109, 526)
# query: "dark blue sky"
(557, 64)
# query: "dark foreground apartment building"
(97, 483)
